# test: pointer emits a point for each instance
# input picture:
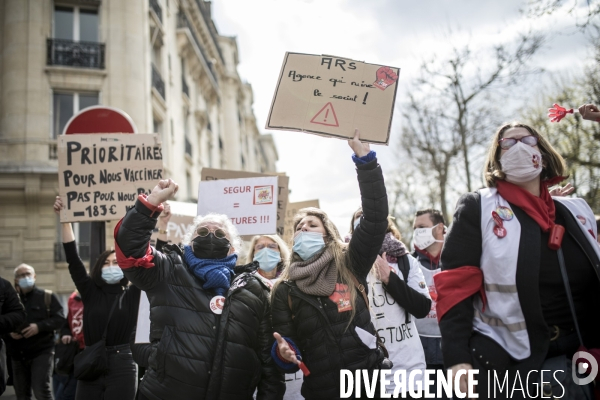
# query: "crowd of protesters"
(510, 287)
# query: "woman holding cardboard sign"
(319, 314)
(109, 314)
(210, 319)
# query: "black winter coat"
(326, 342)
(12, 313)
(197, 354)
(47, 321)
(98, 298)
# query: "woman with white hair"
(210, 319)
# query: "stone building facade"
(161, 61)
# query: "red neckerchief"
(541, 209)
(433, 260)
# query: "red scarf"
(435, 261)
(541, 209)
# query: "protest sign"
(290, 211)
(100, 176)
(182, 217)
(250, 203)
(142, 332)
(210, 174)
(331, 96)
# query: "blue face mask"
(27, 282)
(267, 259)
(356, 223)
(307, 244)
(112, 275)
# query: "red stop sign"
(100, 119)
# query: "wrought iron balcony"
(184, 87)
(156, 7)
(75, 54)
(157, 82)
(183, 22)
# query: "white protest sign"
(142, 332)
(250, 203)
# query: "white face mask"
(521, 163)
(423, 237)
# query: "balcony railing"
(184, 87)
(156, 7)
(205, 11)
(75, 54)
(183, 22)
(188, 147)
(157, 82)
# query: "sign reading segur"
(331, 96)
(100, 176)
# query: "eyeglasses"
(204, 231)
(272, 246)
(507, 143)
(24, 275)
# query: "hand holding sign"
(163, 191)
(360, 149)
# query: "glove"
(556, 113)
(385, 77)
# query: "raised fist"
(162, 191)
(556, 113)
(385, 77)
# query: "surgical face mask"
(267, 259)
(307, 244)
(27, 282)
(521, 163)
(210, 247)
(356, 223)
(112, 275)
(423, 237)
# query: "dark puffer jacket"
(197, 354)
(326, 342)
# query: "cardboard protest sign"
(100, 176)
(331, 96)
(250, 203)
(209, 174)
(291, 210)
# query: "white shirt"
(401, 339)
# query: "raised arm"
(77, 270)
(368, 236)
(140, 263)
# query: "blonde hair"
(334, 243)
(220, 219)
(283, 250)
(553, 164)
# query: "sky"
(397, 33)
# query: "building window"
(75, 38)
(67, 104)
(83, 234)
(75, 23)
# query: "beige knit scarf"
(316, 277)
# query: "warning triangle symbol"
(326, 116)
